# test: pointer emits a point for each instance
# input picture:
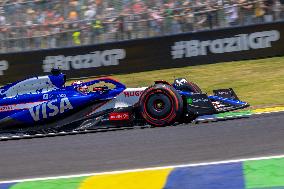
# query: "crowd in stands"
(36, 24)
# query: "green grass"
(259, 82)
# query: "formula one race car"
(45, 102)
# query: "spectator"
(188, 20)
(200, 19)
(2, 18)
(97, 30)
(76, 38)
(3, 30)
(259, 11)
(138, 7)
(282, 8)
(210, 13)
(277, 8)
(128, 23)
(176, 26)
(246, 12)
(231, 11)
(168, 14)
(73, 16)
(268, 8)
(59, 23)
(90, 12)
(155, 20)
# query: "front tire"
(161, 105)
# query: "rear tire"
(161, 105)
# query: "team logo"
(180, 82)
(132, 93)
(118, 116)
(50, 109)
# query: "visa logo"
(50, 109)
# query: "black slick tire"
(161, 105)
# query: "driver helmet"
(76, 82)
(83, 88)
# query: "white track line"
(143, 169)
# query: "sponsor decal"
(197, 100)
(189, 100)
(20, 106)
(34, 85)
(217, 104)
(180, 82)
(6, 108)
(132, 93)
(118, 116)
(50, 109)
(237, 43)
(45, 96)
(62, 95)
(91, 60)
(223, 92)
(4, 65)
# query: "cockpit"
(83, 88)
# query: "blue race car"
(44, 102)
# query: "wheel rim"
(159, 106)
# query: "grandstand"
(39, 24)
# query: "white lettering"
(91, 60)
(192, 48)
(255, 40)
(44, 110)
(35, 115)
(217, 46)
(65, 105)
(50, 109)
(240, 42)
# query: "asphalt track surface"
(139, 148)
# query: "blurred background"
(39, 24)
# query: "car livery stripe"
(253, 173)
(11, 107)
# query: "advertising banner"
(187, 49)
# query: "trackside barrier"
(195, 48)
(267, 172)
